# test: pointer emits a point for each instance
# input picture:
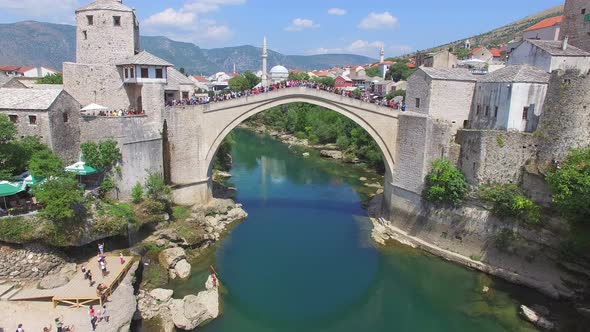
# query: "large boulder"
(334, 154)
(161, 294)
(182, 269)
(533, 317)
(53, 281)
(194, 311)
(169, 257)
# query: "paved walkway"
(78, 287)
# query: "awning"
(94, 107)
(80, 168)
(11, 188)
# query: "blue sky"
(303, 26)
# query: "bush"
(570, 186)
(156, 188)
(59, 197)
(136, 193)
(44, 164)
(107, 185)
(103, 155)
(445, 183)
(510, 202)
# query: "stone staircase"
(8, 290)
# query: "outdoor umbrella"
(80, 168)
(10, 188)
(94, 107)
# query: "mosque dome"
(279, 70)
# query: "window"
(65, 116)
(144, 73)
(487, 113)
(126, 72)
(13, 118)
(159, 73)
(478, 110)
(90, 19)
(131, 72)
(525, 113)
(496, 112)
(583, 11)
(417, 102)
(85, 34)
(117, 21)
(32, 119)
(184, 95)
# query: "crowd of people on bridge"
(229, 95)
(122, 112)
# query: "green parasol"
(80, 168)
(11, 188)
(31, 180)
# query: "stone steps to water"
(6, 287)
(7, 295)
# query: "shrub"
(103, 155)
(570, 185)
(136, 193)
(510, 202)
(500, 140)
(445, 183)
(107, 185)
(59, 197)
(44, 164)
(156, 188)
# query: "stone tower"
(576, 23)
(264, 76)
(107, 32)
(382, 55)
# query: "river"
(304, 261)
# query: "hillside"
(37, 43)
(502, 35)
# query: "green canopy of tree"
(51, 79)
(7, 129)
(238, 83)
(445, 183)
(570, 186)
(156, 188)
(103, 155)
(44, 164)
(461, 52)
(373, 71)
(328, 81)
(298, 76)
(253, 80)
(398, 72)
(59, 197)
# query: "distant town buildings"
(550, 55)
(547, 29)
(27, 71)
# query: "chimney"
(564, 43)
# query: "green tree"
(222, 161)
(156, 188)
(51, 79)
(103, 155)
(356, 93)
(328, 81)
(445, 183)
(137, 193)
(373, 71)
(461, 52)
(570, 185)
(252, 79)
(59, 197)
(238, 83)
(7, 129)
(182, 70)
(44, 164)
(298, 76)
(398, 72)
(510, 201)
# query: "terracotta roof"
(145, 58)
(233, 74)
(9, 68)
(28, 99)
(554, 48)
(200, 79)
(387, 62)
(105, 5)
(347, 79)
(295, 71)
(410, 65)
(548, 22)
(495, 52)
(517, 74)
(321, 73)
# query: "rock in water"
(531, 316)
(182, 269)
(305, 154)
(334, 154)
(193, 311)
(161, 294)
(169, 257)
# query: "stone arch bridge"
(192, 135)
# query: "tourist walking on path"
(103, 268)
(20, 328)
(89, 277)
(59, 324)
(104, 314)
(93, 318)
(101, 248)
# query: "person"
(59, 324)
(100, 292)
(47, 329)
(105, 314)
(103, 268)
(121, 258)
(69, 328)
(20, 328)
(93, 318)
(101, 248)
(83, 269)
(403, 107)
(89, 277)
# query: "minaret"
(382, 55)
(264, 58)
(234, 68)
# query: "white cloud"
(364, 47)
(171, 17)
(191, 22)
(400, 49)
(337, 11)
(61, 11)
(379, 21)
(300, 24)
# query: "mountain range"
(34, 43)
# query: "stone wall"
(24, 128)
(574, 25)
(451, 101)
(418, 87)
(565, 122)
(103, 42)
(29, 262)
(64, 118)
(495, 156)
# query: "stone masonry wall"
(64, 118)
(565, 122)
(24, 128)
(495, 156)
(418, 87)
(29, 262)
(574, 25)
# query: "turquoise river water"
(304, 261)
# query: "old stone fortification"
(30, 262)
(65, 127)
(574, 24)
(565, 122)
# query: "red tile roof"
(410, 65)
(9, 68)
(548, 22)
(388, 62)
(24, 69)
(234, 74)
(200, 79)
(473, 51)
(495, 52)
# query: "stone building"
(510, 98)
(576, 23)
(444, 94)
(278, 74)
(547, 29)
(178, 86)
(51, 115)
(484, 54)
(440, 59)
(550, 55)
